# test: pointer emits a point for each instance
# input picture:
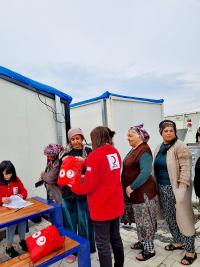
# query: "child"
(50, 175)
(10, 185)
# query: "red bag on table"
(70, 171)
(43, 242)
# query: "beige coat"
(179, 163)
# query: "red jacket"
(102, 184)
(6, 190)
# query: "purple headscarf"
(53, 150)
(141, 132)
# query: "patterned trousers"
(167, 204)
(146, 221)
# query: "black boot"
(11, 252)
(23, 245)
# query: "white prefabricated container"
(31, 115)
(118, 113)
(187, 125)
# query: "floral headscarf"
(53, 150)
(141, 132)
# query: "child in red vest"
(10, 185)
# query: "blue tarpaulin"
(108, 95)
(22, 80)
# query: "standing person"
(10, 185)
(197, 178)
(198, 135)
(50, 175)
(140, 190)
(75, 209)
(172, 167)
(105, 197)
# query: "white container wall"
(27, 126)
(188, 121)
(86, 116)
(119, 113)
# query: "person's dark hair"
(9, 168)
(100, 136)
(111, 133)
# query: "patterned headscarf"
(141, 132)
(53, 150)
(167, 123)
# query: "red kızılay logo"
(69, 173)
(40, 240)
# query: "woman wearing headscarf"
(140, 190)
(75, 209)
(172, 167)
(50, 175)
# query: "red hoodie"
(14, 187)
(102, 184)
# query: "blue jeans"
(10, 232)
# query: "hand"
(64, 158)
(81, 158)
(129, 191)
(6, 200)
(72, 182)
(82, 179)
(179, 194)
(19, 195)
(42, 173)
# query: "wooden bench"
(73, 243)
(25, 260)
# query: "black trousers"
(107, 235)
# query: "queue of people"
(155, 186)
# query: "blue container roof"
(22, 80)
(108, 95)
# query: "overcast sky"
(142, 48)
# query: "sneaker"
(11, 252)
(70, 258)
(23, 245)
